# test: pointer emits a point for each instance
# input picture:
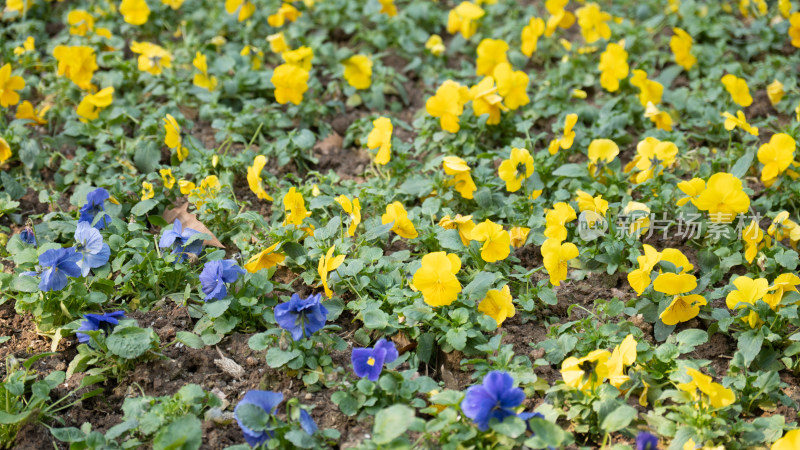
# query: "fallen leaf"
(331, 143)
(189, 220)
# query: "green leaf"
(546, 434)
(216, 308)
(476, 290)
(512, 427)
(375, 319)
(787, 259)
(300, 439)
(689, 339)
(143, 207)
(618, 418)
(278, 358)
(741, 167)
(391, 423)
(25, 283)
(571, 171)
(750, 344)
(185, 433)
(425, 347)
(377, 231)
(547, 295)
(449, 239)
(130, 342)
(252, 416)
(189, 339)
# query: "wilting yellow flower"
(723, 198)
(135, 12)
(295, 207)
(388, 7)
(254, 177)
(81, 22)
(601, 150)
(622, 356)
(692, 189)
(739, 121)
(186, 187)
(147, 191)
(559, 17)
(518, 236)
(794, 28)
(491, 52)
(381, 138)
(5, 150)
(462, 180)
(498, 305)
(703, 390)
(738, 89)
(358, 71)
(748, 291)
(588, 203)
(174, 4)
(515, 170)
(245, 9)
(290, 82)
(27, 46)
(264, 259)
(651, 153)
(556, 256)
(25, 111)
(776, 155)
(300, 57)
(681, 45)
(496, 241)
(91, 104)
(436, 278)
(511, 85)
(353, 209)
(593, 24)
(682, 308)
(167, 178)
(448, 104)
(8, 87)
(328, 264)
(463, 19)
(649, 91)
(586, 373)
(76, 63)
(435, 45)
(782, 227)
(613, 66)
(775, 92)
(752, 236)
(556, 218)
(530, 36)
(286, 13)
(208, 190)
(202, 79)
(790, 440)
(485, 100)
(783, 283)
(19, 6)
(152, 58)
(396, 213)
(463, 224)
(661, 119)
(277, 42)
(172, 137)
(639, 278)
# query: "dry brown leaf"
(332, 142)
(189, 220)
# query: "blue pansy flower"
(91, 248)
(646, 441)
(307, 423)
(92, 322)
(266, 400)
(178, 236)
(496, 398)
(28, 236)
(95, 204)
(301, 317)
(214, 276)
(58, 264)
(368, 362)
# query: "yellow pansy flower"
(752, 236)
(556, 218)
(515, 170)
(776, 155)
(613, 66)
(80, 21)
(775, 92)
(202, 79)
(5, 150)
(243, 9)
(26, 111)
(77, 63)
(388, 7)
(381, 138)
(556, 256)
(739, 121)
(511, 85)
(681, 45)
(649, 91)
(622, 356)
(463, 19)
(277, 43)
(738, 89)
(172, 137)
(463, 224)
(586, 373)
(639, 278)
(593, 22)
(295, 207)
(530, 36)
(462, 180)
(485, 100)
(290, 82)
(396, 213)
(286, 13)
(91, 104)
(264, 259)
(436, 278)
(147, 191)
(134, 12)
(254, 180)
(723, 198)
(702, 389)
(358, 71)
(661, 119)
(498, 305)
(327, 264)
(300, 57)
(448, 104)
(153, 58)
(496, 241)
(518, 236)
(167, 178)
(790, 440)
(491, 52)
(435, 45)
(353, 209)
